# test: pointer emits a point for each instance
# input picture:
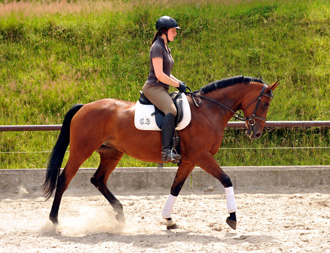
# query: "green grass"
(56, 54)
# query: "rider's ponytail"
(159, 33)
(155, 37)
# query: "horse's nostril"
(258, 135)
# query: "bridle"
(251, 119)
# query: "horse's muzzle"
(252, 132)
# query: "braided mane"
(228, 82)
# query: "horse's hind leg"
(109, 160)
(64, 179)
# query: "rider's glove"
(182, 87)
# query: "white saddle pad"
(144, 120)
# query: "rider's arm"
(157, 63)
(175, 79)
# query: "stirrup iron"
(170, 155)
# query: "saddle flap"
(178, 102)
(148, 117)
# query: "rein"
(237, 116)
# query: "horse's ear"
(272, 86)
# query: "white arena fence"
(231, 124)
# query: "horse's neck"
(231, 97)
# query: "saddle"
(149, 117)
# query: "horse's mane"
(228, 82)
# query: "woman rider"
(160, 78)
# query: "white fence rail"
(231, 124)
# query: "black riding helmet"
(166, 22)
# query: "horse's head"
(255, 110)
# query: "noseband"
(250, 120)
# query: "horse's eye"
(266, 105)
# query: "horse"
(107, 127)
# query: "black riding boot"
(168, 129)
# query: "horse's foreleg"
(210, 165)
(181, 175)
(109, 160)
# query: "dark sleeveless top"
(158, 50)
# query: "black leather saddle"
(159, 115)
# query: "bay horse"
(107, 126)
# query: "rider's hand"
(182, 87)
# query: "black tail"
(57, 155)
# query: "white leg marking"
(167, 211)
(231, 203)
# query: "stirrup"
(170, 155)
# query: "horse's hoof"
(55, 223)
(120, 218)
(170, 224)
(174, 226)
(231, 223)
(54, 220)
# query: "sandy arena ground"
(267, 222)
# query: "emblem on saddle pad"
(148, 117)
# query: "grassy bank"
(56, 54)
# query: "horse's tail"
(57, 155)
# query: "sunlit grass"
(54, 54)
